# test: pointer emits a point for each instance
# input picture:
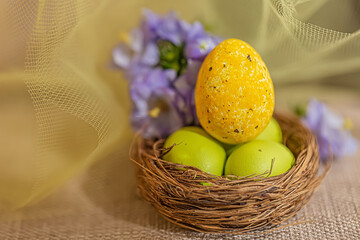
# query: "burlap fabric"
(103, 202)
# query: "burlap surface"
(103, 202)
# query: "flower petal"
(137, 40)
(195, 31)
(122, 55)
(151, 55)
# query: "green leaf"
(172, 56)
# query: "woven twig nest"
(228, 204)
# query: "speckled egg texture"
(234, 94)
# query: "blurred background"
(62, 107)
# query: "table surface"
(103, 203)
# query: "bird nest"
(193, 199)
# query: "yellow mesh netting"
(62, 107)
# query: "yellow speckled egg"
(234, 94)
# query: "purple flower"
(199, 48)
(185, 84)
(161, 60)
(199, 43)
(158, 114)
(136, 57)
(155, 104)
(329, 130)
(168, 27)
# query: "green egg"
(256, 157)
(272, 132)
(230, 150)
(194, 147)
(201, 131)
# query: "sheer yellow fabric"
(62, 107)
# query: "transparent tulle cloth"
(63, 106)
